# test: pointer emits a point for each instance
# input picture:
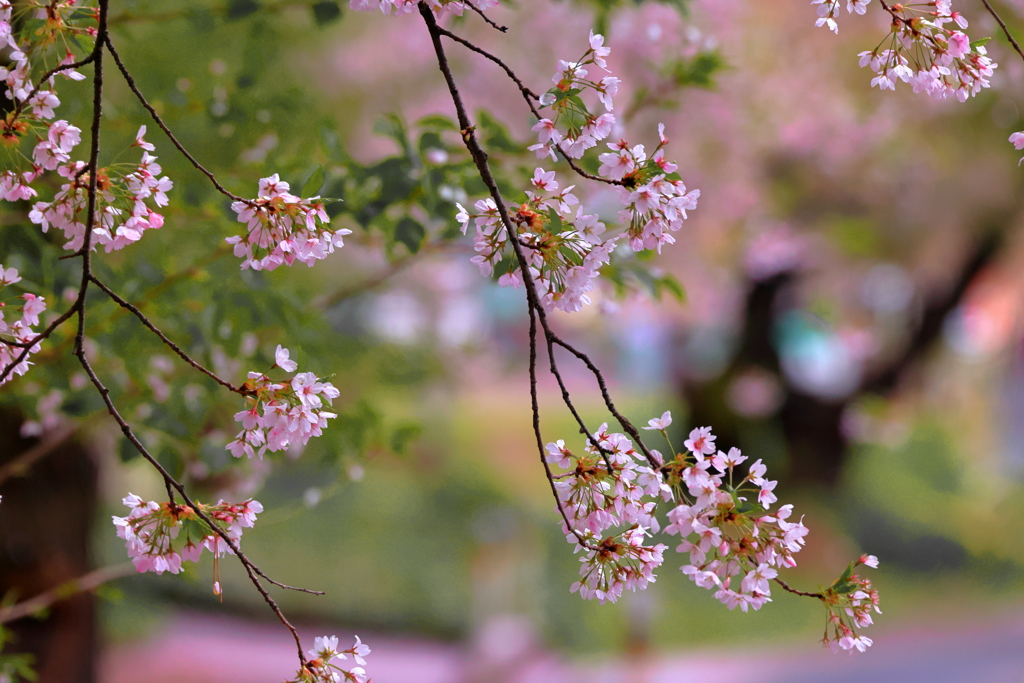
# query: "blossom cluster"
(921, 51)
(563, 246)
(606, 486)
(152, 531)
(125, 193)
(440, 7)
(122, 214)
(283, 228)
(573, 128)
(321, 668)
(730, 539)
(20, 330)
(734, 543)
(850, 600)
(282, 414)
(654, 198)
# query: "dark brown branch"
(163, 126)
(68, 589)
(786, 587)
(250, 569)
(1002, 25)
(533, 300)
(174, 347)
(479, 11)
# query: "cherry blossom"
(283, 228)
(322, 666)
(282, 414)
(152, 531)
(19, 331)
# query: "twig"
(786, 587)
(68, 589)
(21, 463)
(163, 126)
(174, 347)
(1002, 25)
(472, 6)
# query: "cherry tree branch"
(68, 589)
(786, 587)
(1002, 25)
(163, 126)
(479, 11)
(174, 347)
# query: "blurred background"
(845, 304)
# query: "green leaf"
(410, 233)
(403, 435)
(313, 184)
(673, 286)
(980, 42)
(555, 224)
(326, 12)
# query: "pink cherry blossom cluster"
(596, 498)
(283, 228)
(572, 127)
(440, 7)
(19, 330)
(322, 669)
(563, 246)
(920, 50)
(735, 545)
(122, 214)
(152, 532)
(283, 414)
(850, 600)
(654, 198)
(725, 534)
(34, 104)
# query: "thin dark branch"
(174, 347)
(1002, 25)
(535, 405)
(163, 126)
(786, 587)
(479, 11)
(530, 98)
(250, 569)
(627, 426)
(68, 589)
(533, 300)
(26, 346)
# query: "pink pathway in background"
(201, 648)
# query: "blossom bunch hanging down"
(122, 213)
(283, 228)
(850, 601)
(440, 7)
(563, 246)
(571, 126)
(921, 49)
(33, 104)
(153, 532)
(654, 197)
(607, 486)
(323, 667)
(20, 330)
(282, 414)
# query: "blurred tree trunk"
(45, 519)
(811, 427)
